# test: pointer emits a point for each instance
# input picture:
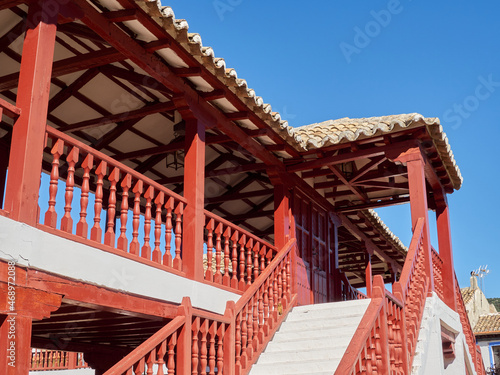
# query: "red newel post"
(194, 192)
(28, 134)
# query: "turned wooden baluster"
(139, 367)
(244, 330)
(266, 306)
(211, 350)
(277, 281)
(210, 246)
(284, 278)
(225, 279)
(218, 256)
(178, 236)
(262, 291)
(242, 241)
(220, 349)
(96, 231)
(249, 262)
(67, 221)
(167, 257)
(234, 260)
(172, 342)
(237, 339)
(203, 346)
(272, 308)
(122, 243)
(51, 215)
(288, 278)
(160, 199)
(134, 244)
(150, 360)
(250, 327)
(195, 349)
(255, 311)
(109, 236)
(146, 248)
(256, 261)
(162, 351)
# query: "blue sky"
(320, 60)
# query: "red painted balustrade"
(199, 342)
(377, 347)
(235, 257)
(43, 360)
(412, 288)
(9, 110)
(437, 274)
(470, 338)
(113, 186)
(347, 291)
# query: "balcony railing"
(43, 360)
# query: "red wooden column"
(415, 163)
(445, 249)
(16, 315)
(194, 192)
(4, 163)
(369, 273)
(281, 215)
(23, 181)
(335, 294)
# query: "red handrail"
(10, 110)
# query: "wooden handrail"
(10, 110)
(404, 279)
(247, 296)
(146, 347)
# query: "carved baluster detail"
(227, 235)
(242, 241)
(161, 352)
(210, 245)
(96, 231)
(218, 255)
(271, 298)
(137, 190)
(280, 285)
(126, 184)
(244, 329)
(288, 279)
(249, 262)
(67, 221)
(109, 236)
(237, 339)
(172, 342)
(255, 311)
(234, 260)
(167, 257)
(266, 307)
(150, 360)
(51, 214)
(203, 348)
(211, 350)
(262, 292)
(220, 349)
(250, 326)
(82, 227)
(146, 248)
(139, 367)
(178, 236)
(256, 261)
(195, 349)
(160, 199)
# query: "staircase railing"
(412, 288)
(470, 338)
(378, 346)
(347, 291)
(205, 343)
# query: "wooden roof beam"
(239, 196)
(135, 78)
(374, 204)
(121, 15)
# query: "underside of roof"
(123, 73)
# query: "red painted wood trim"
(8, 109)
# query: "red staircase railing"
(43, 360)
(377, 346)
(9, 110)
(347, 291)
(199, 342)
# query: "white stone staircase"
(312, 339)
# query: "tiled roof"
(382, 228)
(347, 130)
(467, 294)
(488, 324)
(310, 136)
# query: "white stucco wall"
(429, 353)
(35, 248)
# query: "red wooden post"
(194, 192)
(184, 339)
(418, 201)
(229, 343)
(368, 274)
(28, 134)
(445, 249)
(281, 215)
